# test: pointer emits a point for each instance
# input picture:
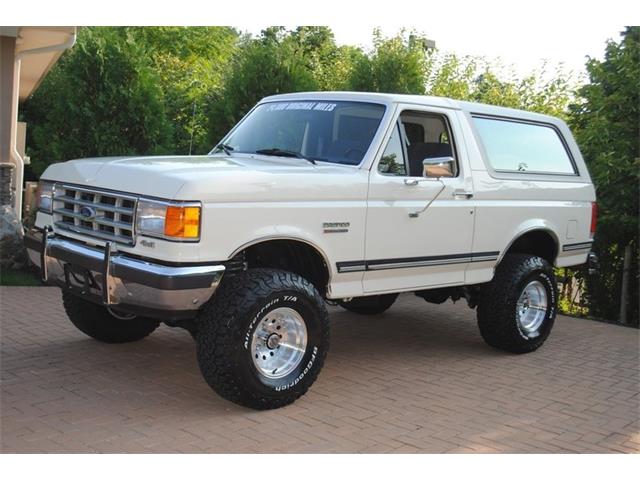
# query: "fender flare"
(534, 228)
(268, 238)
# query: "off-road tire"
(225, 330)
(497, 306)
(373, 305)
(95, 321)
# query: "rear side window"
(513, 146)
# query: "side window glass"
(392, 161)
(429, 145)
(523, 147)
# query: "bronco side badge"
(336, 227)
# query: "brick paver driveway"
(416, 379)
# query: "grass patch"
(18, 278)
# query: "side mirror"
(438, 167)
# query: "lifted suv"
(349, 198)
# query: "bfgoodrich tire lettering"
(226, 327)
(498, 309)
(96, 321)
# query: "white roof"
(425, 100)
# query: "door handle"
(412, 182)
(459, 192)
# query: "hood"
(217, 177)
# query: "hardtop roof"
(425, 100)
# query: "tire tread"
(220, 334)
(497, 305)
(95, 321)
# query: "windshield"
(338, 132)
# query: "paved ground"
(416, 379)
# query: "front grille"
(105, 215)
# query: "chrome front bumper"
(111, 278)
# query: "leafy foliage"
(273, 63)
(190, 63)
(606, 121)
(396, 65)
(101, 99)
(476, 80)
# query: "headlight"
(171, 220)
(44, 197)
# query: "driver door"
(419, 228)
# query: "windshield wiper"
(278, 152)
(224, 147)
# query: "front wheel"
(517, 309)
(107, 325)
(263, 339)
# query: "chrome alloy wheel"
(532, 307)
(279, 343)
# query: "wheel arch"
(538, 240)
(295, 254)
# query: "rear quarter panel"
(507, 205)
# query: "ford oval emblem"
(87, 213)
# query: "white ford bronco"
(315, 198)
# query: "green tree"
(276, 62)
(332, 66)
(101, 99)
(451, 76)
(190, 63)
(396, 65)
(477, 80)
(606, 121)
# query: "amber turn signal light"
(182, 222)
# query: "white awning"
(34, 67)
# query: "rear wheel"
(107, 325)
(516, 311)
(373, 305)
(263, 339)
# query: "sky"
(514, 45)
(522, 34)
